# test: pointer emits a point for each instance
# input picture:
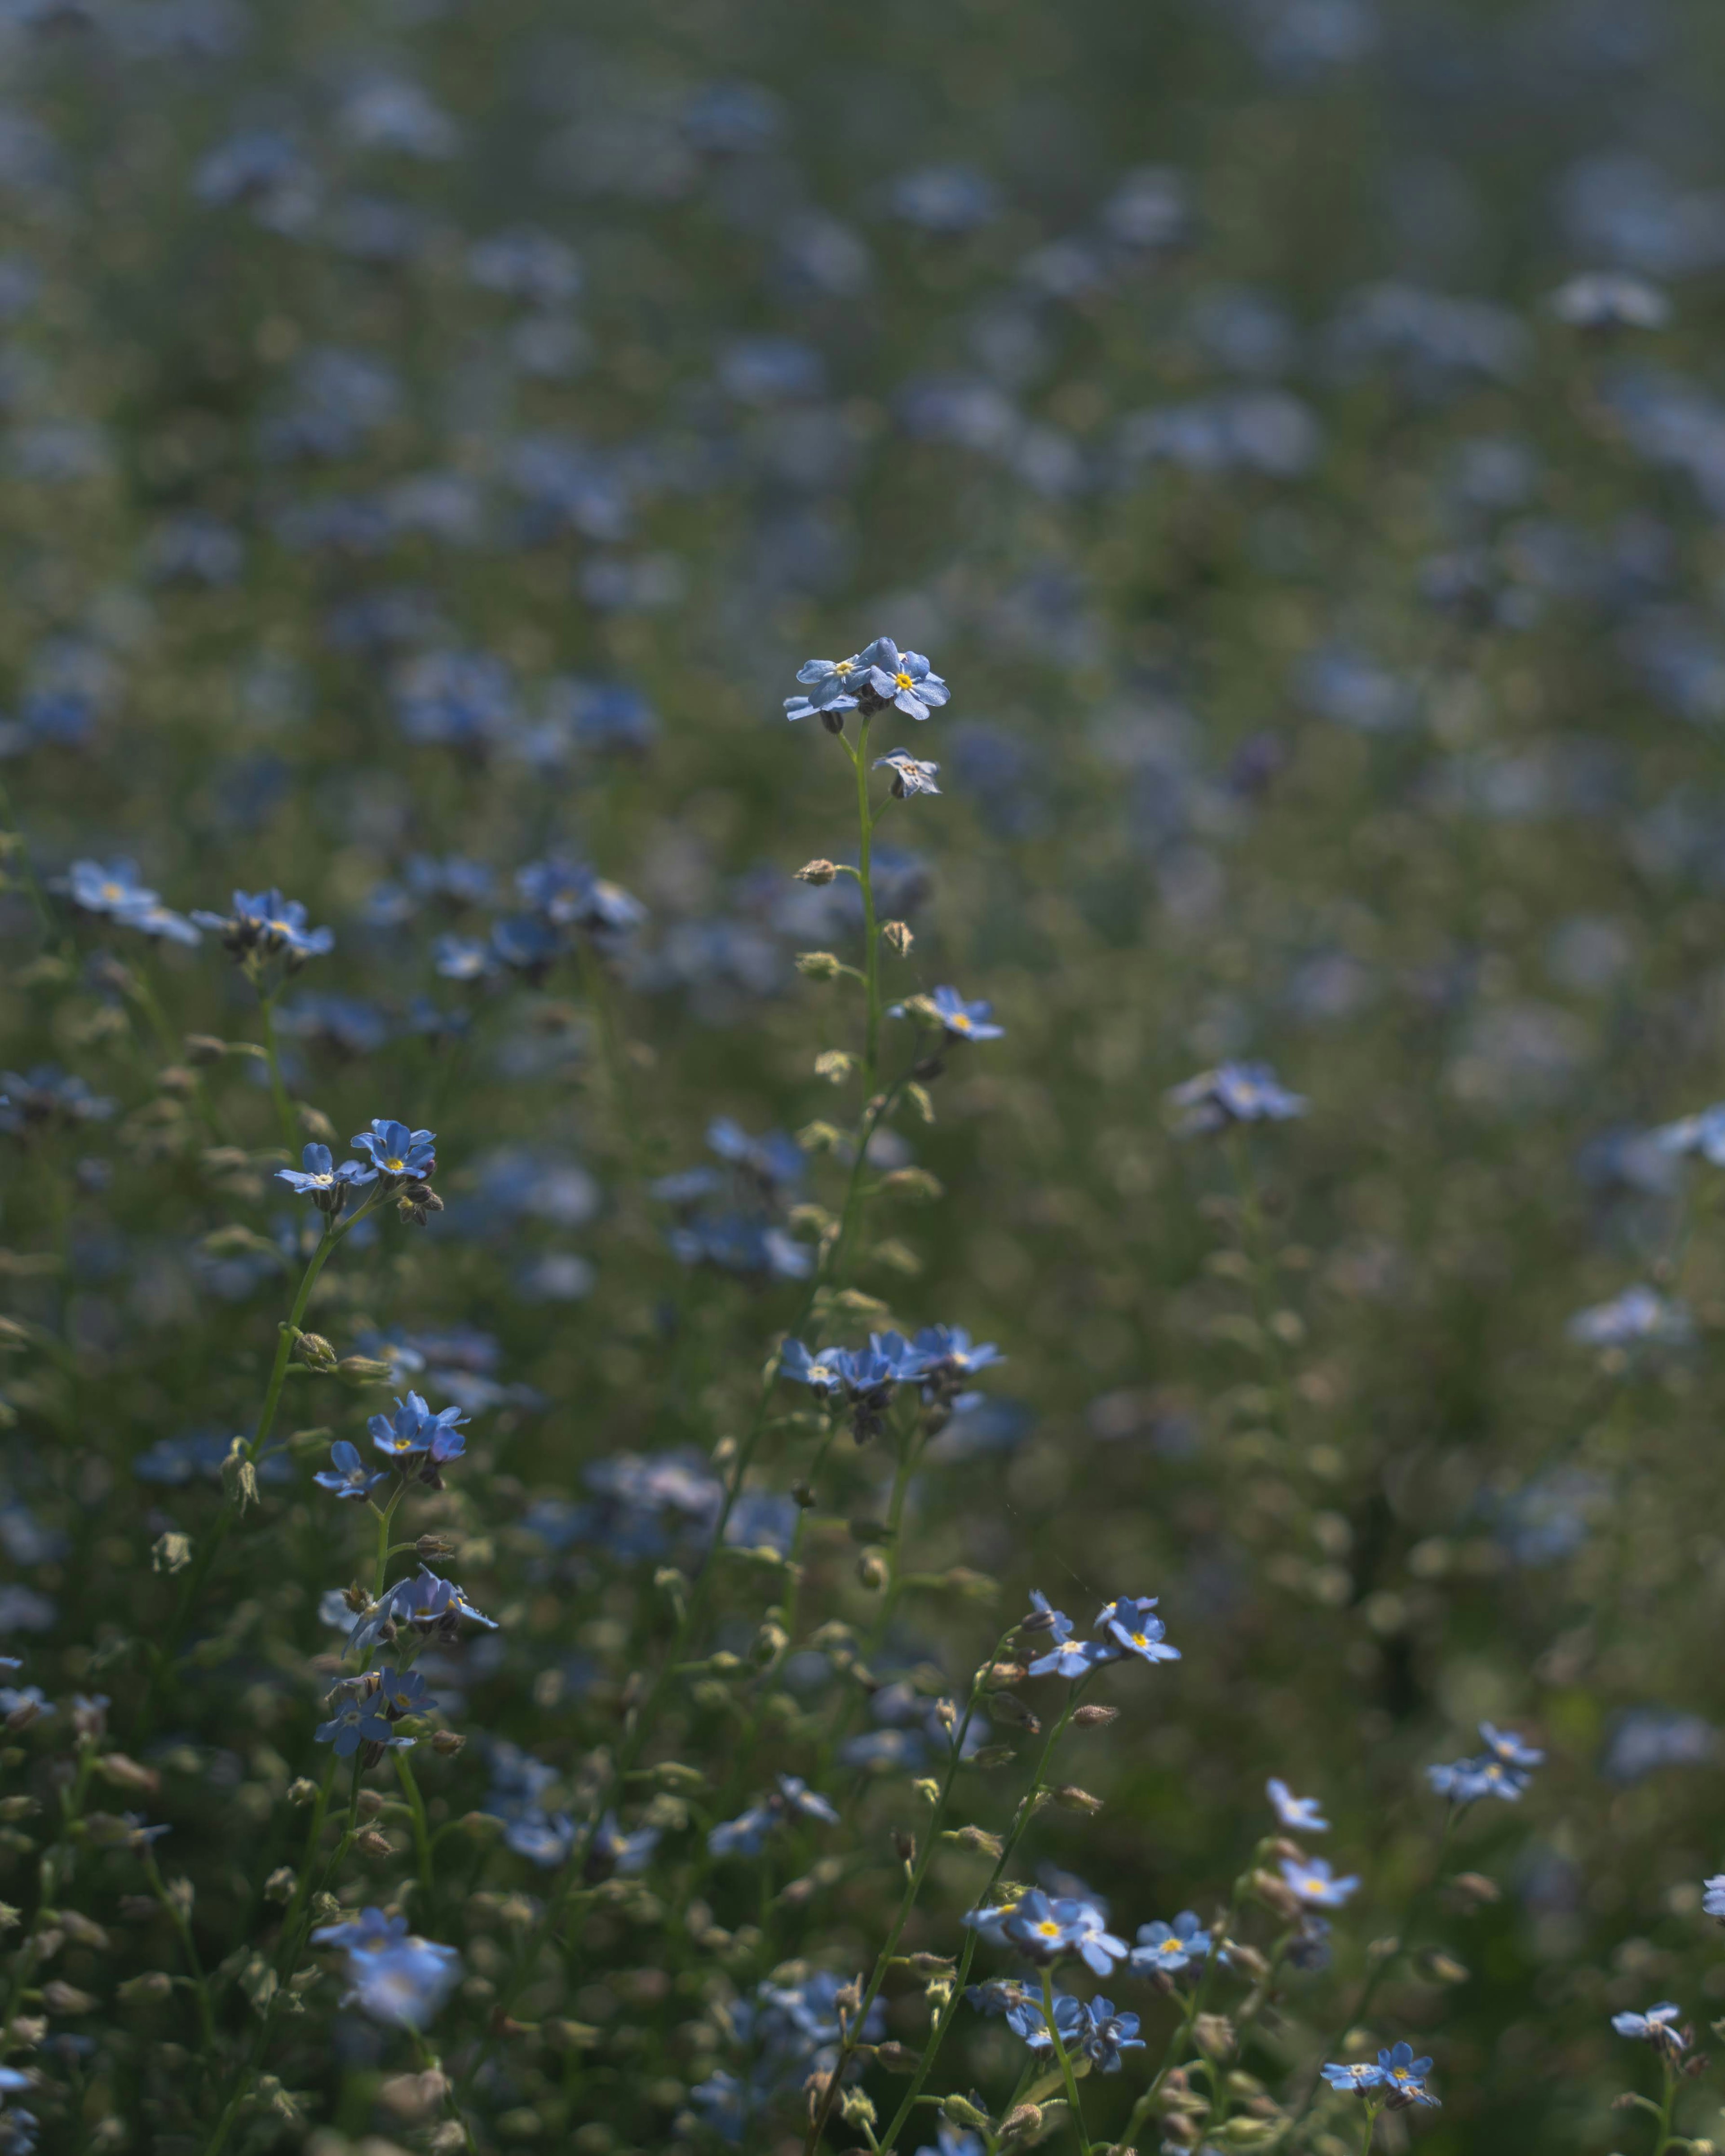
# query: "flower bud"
(1071, 1798)
(872, 1570)
(429, 1548)
(176, 1081)
(1474, 1887)
(363, 1370)
(314, 1351)
(962, 2112)
(906, 1846)
(302, 1791)
(204, 1049)
(816, 871)
(895, 934)
(914, 1183)
(1094, 1716)
(447, 1743)
(280, 1884)
(149, 1989)
(372, 1843)
(1276, 1894)
(897, 2058)
(316, 1125)
(59, 1998)
(818, 965)
(1214, 2036)
(1022, 2126)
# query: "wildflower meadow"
(862, 1141)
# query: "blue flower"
(1109, 2034)
(266, 923)
(625, 1854)
(405, 1985)
(358, 1720)
(954, 2141)
(1356, 2079)
(1703, 1133)
(902, 679)
(1233, 1093)
(396, 1152)
(1045, 1618)
(1074, 1658)
(1299, 1815)
(1504, 1770)
(1130, 1625)
(413, 1430)
(1637, 1318)
(1404, 2076)
(320, 1179)
(910, 776)
(960, 1020)
(1174, 1949)
(1656, 2026)
(368, 1933)
(1027, 2021)
(1610, 300)
(1310, 1879)
(797, 1800)
(823, 1373)
(830, 682)
(1045, 1929)
(951, 1359)
(347, 1477)
(1712, 1900)
(114, 889)
(745, 1835)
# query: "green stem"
(1667, 2105)
(161, 1663)
(1369, 1991)
(871, 943)
(1181, 2035)
(277, 1086)
(913, 1888)
(422, 1837)
(9, 823)
(1371, 2125)
(1021, 1820)
(178, 1917)
(1060, 2052)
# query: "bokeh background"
(436, 431)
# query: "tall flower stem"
(1021, 1820)
(913, 1888)
(1182, 2034)
(1668, 2104)
(1380, 1968)
(278, 1085)
(1067, 2076)
(871, 939)
(165, 1651)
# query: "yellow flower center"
(959, 1022)
(393, 1165)
(1139, 1639)
(1047, 1930)
(903, 680)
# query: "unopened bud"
(897, 2058)
(432, 1546)
(363, 1370)
(897, 937)
(963, 2113)
(1214, 2036)
(370, 1843)
(977, 1838)
(204, 1049)
(176, 1081)
(1276, 1894)
(872, 1570)
(1179, 2129)
(316, 1125)
(280, 1884)
(915, 1184)
(1474, 1887)
(60, 1998)
(1247, 1958)
(171, 1552)
(818, 965)
(314, 1351)
(1023, 2123)
(301, 1792)
(816, 871)
(149, 1989)
(1071, 1798)
(906, 1846)
(1094, 1716)
(447, 1743)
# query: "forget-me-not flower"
(1298, 1815)
(1310, 1878)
